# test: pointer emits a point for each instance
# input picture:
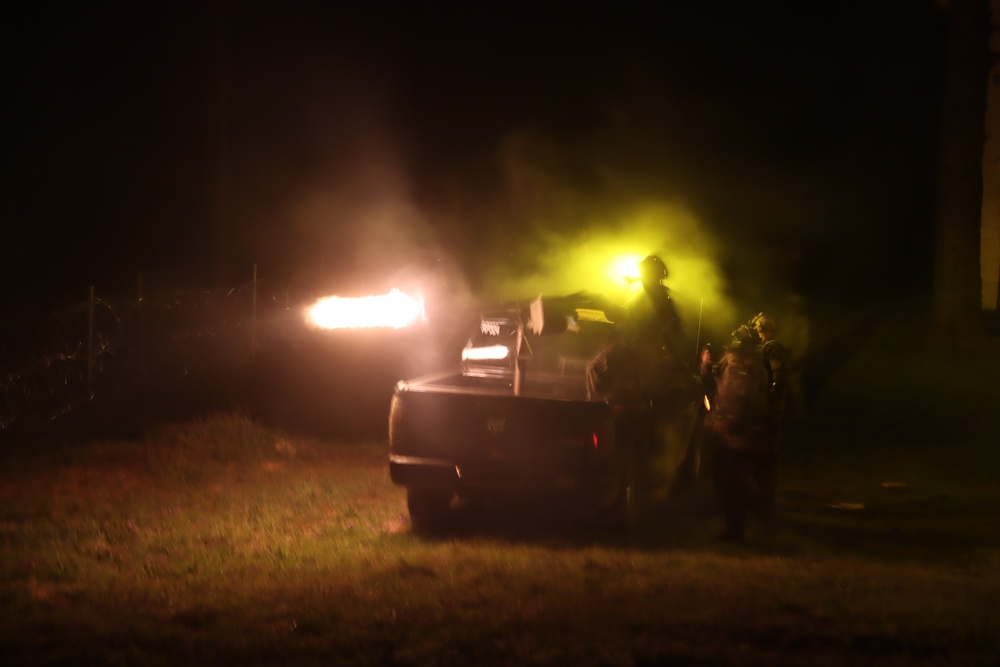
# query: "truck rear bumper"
(592, 485)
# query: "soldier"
(648, 381)
(738, 426)
(778, 360)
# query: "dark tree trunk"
(957, 281)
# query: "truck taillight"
(602, 437)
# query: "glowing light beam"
(490, 352)
(394, 310)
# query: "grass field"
(221, 541)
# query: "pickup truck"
(514, 421)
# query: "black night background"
(188, 142)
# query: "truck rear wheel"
(429, 510)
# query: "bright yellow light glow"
(592, 258)
(393, 310)
(624, 270)
(491, 352)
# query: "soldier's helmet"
(743, 339)
(652, 270)
(763, 324)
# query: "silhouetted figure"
(651, 314)
(645, 361)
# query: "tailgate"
(490, 436)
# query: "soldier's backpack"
(741, 400)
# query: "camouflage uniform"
(739, 427)
(778, 360)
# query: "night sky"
(190, 141)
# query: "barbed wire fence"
(101, 348)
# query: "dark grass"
(220, 541)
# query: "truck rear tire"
(429, 510)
